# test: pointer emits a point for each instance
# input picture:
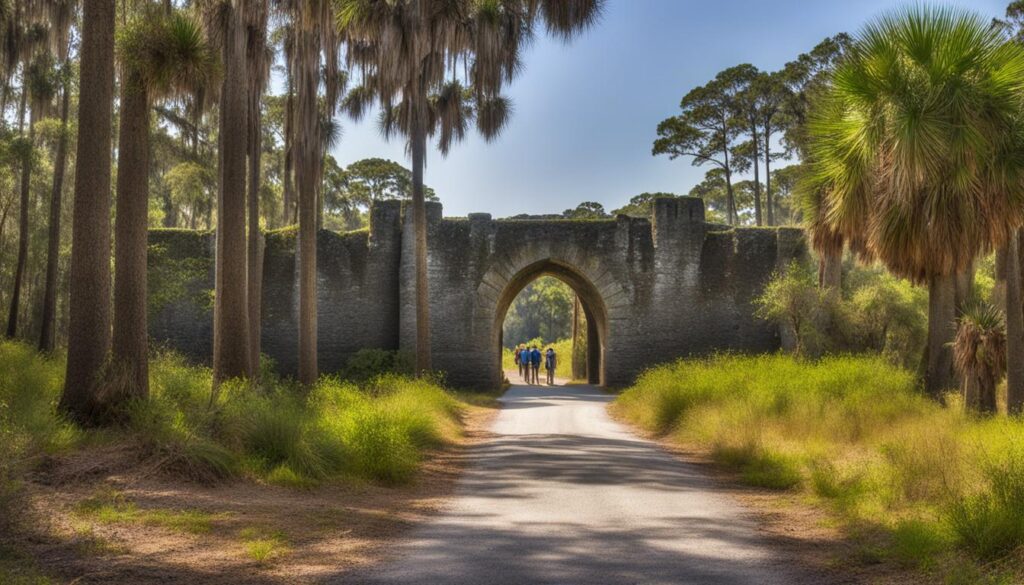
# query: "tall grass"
(279, 432)
(30, 387)
(853, 432)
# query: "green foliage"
(29, 426)
(888, 314)
(586, 210)
(641, 205)
(173, 278)
(875, 312)
(376, 431)
(855, 434)
(112, 507)
(369, 363)
(990, 522)
(543, 309)
(793, 300)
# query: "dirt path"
(563, 494)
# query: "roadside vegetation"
(276, 432)
(918, 483)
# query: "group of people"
(528, 361)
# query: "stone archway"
(594, 309)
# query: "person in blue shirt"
(549, 365)
(535, 364)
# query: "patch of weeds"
(285, 476)
(919, 544)
(112, 507)
(263, 546)
(761, 467)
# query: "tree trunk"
(19, 271)
(1014, 328)
(89, 298)
(830, 271)
(769, 200)
(255, 255)
(130, 374)
(46, 334)
(941, 330)
(419, 208)
(231, 308)
(308, 154)
(758, 214)
(289, 147)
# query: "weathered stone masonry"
(653, 290)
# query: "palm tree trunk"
(255, 272)
(941, 330)
(231, 308)
(1014, 328)
(419, 209)
(19, 271)
(46, 334)
(89, 298)
(308, 155)
(129, 347)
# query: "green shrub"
(367, 364)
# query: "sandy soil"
(314, 535)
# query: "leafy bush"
(875, 311)
(793, 300)
(367, 364)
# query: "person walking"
(535, 364)
(550, 361)
(518, 359)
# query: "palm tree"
(89, 300)
(980, 355)
(162, 55)
(315, 41)
(231, 356)
(912, 145)
(414, 57)
(1012, 304)
(258, 58)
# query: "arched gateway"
(652, 289)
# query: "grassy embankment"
(923, 485)
(563, 366)
(279, 433)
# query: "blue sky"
(585, 113)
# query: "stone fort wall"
(655, 290)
